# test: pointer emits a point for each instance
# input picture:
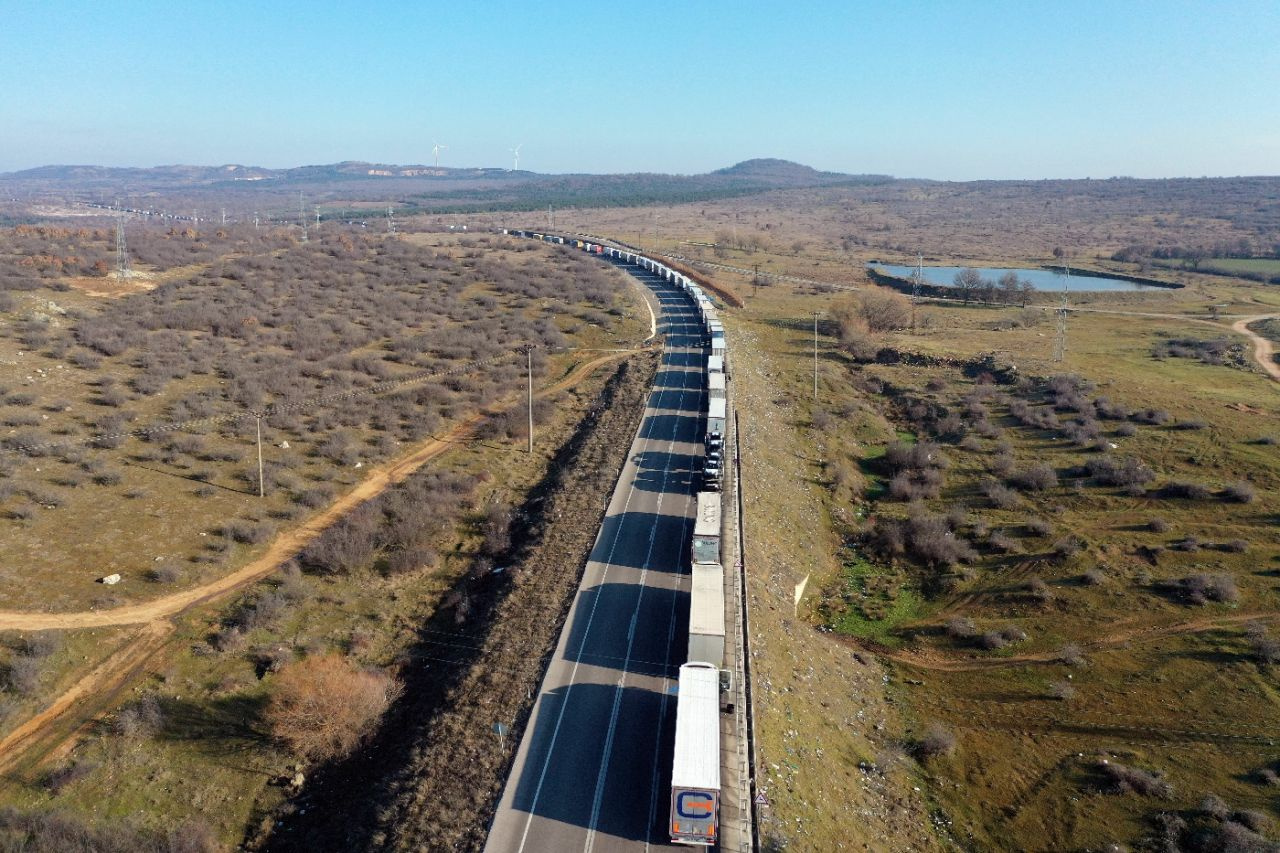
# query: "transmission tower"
(916, 275)
(1060, 343)
(122, 251)
(391, 222)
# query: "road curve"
(1263, 349)
(592, 771)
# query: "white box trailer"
(706, 529)
(695, 771)
(715, 386)
(716, 416)
(715, 364)
(706, 614)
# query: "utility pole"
(302, 216)
(815, 356)
(755, 281)
(262, 484)
(529, 356)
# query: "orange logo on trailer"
(695, 804)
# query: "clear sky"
(944, 89)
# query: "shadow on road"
(600, 630)
(628, 539)
(563, 786)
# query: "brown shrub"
(322, 707)
(937, 741)
(1124, 779)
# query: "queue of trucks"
(695, 772)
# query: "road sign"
(761, 799)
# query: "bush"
(1201, 588)
(992, 640)
(322, 707)
(1000, 495)
(1215, 807)
(1240, 493)
(961, 628)
(1038, 589)
(937, 741)
(998, 541)
(1071, 655)
(924, 454)
(247, 533)
(1124, 779)
(1037, 478)
(1067, 547)
(1062, 690)
(1093, 577)
(23, 676)
(1039, 527)
(1119, 471)
(67, 774)
(1158, 525)
(1183, 490)
(142, 718)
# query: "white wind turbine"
(516, 152)
(435, 152)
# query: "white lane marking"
(598, 800)
(662, 708)
(573, 674)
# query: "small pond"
(1044, 280)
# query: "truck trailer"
(706, 529)
(695, 772)
(706, 614)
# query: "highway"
(592, 771)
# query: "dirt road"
(97, 690)
(1263, 348)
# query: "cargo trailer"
(706, 614)
(695, 771)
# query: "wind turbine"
(516, 152)
(435, 151)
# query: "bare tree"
(968, 281)
(322, 707)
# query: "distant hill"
(786, 173)
(441, 189)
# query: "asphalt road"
(593, 770)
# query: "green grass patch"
(872, 601)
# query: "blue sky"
(948, 90)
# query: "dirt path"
(102, 682)
(98, 688)
(1263, 348)
(941, 661)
